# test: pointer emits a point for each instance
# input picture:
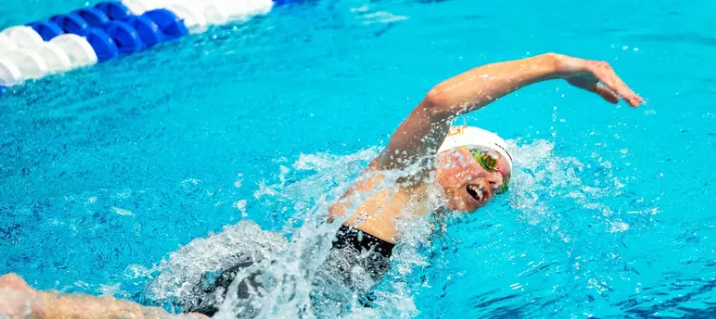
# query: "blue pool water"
(106, 171)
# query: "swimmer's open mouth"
(476, 192)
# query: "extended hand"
(17, 298)
(597, 77)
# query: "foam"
(180, 278)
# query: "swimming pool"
(109, 169)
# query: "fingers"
(607, 93)
(605, 74)
(15, 297)
(11, 277)
(13, 281)
(595, 87)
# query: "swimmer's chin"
(470, 199)
(466, 204)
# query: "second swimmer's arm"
(425, 128)
(19, 300)
(77, 306)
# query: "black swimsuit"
(351, 248)
(360, 240)
(358, 248)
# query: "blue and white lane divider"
(109, 29)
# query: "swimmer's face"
(466, 183)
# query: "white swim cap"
(470, 135)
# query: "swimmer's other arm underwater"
(468, 186)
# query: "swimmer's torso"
(383, 205)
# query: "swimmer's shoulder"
(390, 198)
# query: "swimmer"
(471, 165)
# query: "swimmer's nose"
(495, 180)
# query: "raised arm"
(427, 125)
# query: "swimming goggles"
(488, 159)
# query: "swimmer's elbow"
(435, 97)
(437, 103)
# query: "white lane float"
(24, 55)
(6, 44)
(78, 50)
(197, 14)
(239, 10)
(9, 73)
(29, 63)
(139, 7)
(261, 6)
(223, 11)
(23, 36)
(216, 11)
(192, 14)
(56, 59)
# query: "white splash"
(122, 212)
(241, 206)
(296, 285)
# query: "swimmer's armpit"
(422, 133)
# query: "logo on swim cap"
(470, 135)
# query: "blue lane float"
(171, 26)
(46, 29)
(95, 18)
(112, 28)
(71, 23)
(148, 31)
(115, 10)
(125, 37)
(103, 45)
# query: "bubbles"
(122, 212)
(239, 180)
(241, 206)
(618, 227)
(180, 277)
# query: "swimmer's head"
(473, 166)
